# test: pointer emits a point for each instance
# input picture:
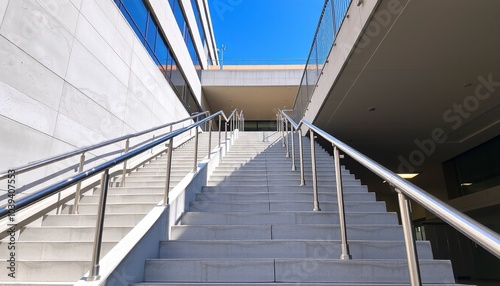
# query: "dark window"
(475, 170)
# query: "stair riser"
(51, 271)
(232, 218)
(286, 249)
(55, 251)
(282, 197)
(285, 189)
(112, 208)
(111, 199)
(289, 270)
(86, 234)
(125, 220)
(212, 206)
(326, 232)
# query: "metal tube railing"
(105, 170)
(477, 232)
(51, 160)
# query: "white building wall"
(73, 73)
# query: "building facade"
(75, 73)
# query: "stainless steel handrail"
(105, 169)
(54, 159)
(477, 232)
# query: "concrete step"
(295, 182)
(277, 284)
(256, 218)
(184, 249)
(54, 251)
(282, 196)
(279, 177)
(277, 206)
(112, 208)
(384, 272)
(45, 271)
(283, 232)
(291, 189)
(124, 198)
(129, 190)
(69, 220)
(63, 233)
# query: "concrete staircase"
(57, 249)
(254, 225)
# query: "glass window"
(475, 170)
(146, 28)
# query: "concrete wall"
(73, 73)
(251, 77)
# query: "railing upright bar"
(287, 144)
(314, 177)
(411, 252)
(225, 135)
(169, 170)
(99, 227)
(78, 186)
(282, 132)
(209, 138)
(220, 130)
(340, 198)
(124, 170)
(293, 148)
(301, 155)
(195, 165)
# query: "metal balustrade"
(477, 232)
(235, 121)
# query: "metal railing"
(234, 121)
(331, 19)
(82, 151)
(477, 232)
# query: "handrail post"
(301, 155)
(287, 144)
(277, 123)
(99, 227)
(411, 252)
(225, 136)
(169, 168)
(282, 132)
(340, 198)
(79, 185)
(124, 171)
(220, 130)
(293, 149)
(195, 166)
(314, 177)
(209, 138)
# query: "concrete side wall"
(73, 73)
(279, 77)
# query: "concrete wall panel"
(33, 29)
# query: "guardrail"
(477, 232)
(331, 19)
(234, 122)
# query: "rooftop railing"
(332, 17)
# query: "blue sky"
(265, 29)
